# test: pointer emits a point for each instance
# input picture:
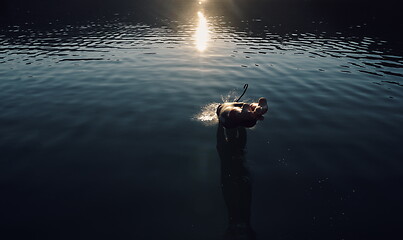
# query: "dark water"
(100, 136)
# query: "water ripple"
(88, 76)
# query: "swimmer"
(239, 114)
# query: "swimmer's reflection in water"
(235, 181)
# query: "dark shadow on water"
(235, 182)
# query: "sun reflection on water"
(202, 32)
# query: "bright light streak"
(202, 33)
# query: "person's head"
(260, 108)
(262, 101)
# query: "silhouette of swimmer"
(239, 114)
(235, 182)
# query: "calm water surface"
(99, 136)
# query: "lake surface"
(100, 136)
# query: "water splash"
(207, 114)
(230, 97)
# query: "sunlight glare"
(202, 33)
